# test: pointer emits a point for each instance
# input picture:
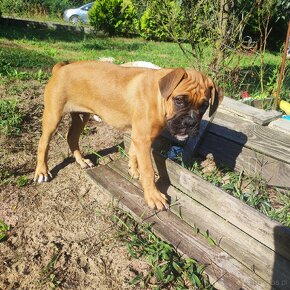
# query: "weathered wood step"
(224, 271)
(247, 112)
(236, 242)
(281, 125)
(271, 233)
(261, 139)
(240, 158)
(243, 145)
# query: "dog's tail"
(59, 65)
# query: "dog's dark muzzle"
(183, 126)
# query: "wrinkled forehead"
(196, 86)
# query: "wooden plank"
(281, 125)
(259, 138)
(247, 112)
(235, 156)
(235, 242)
(270, 233)
(224, 271)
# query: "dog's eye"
(180, 101)
(204, 107)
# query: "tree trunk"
(223, 17)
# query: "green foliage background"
(43, 7)
(115, 17)
(195, 26)
(156, 19)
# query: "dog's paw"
(156, 200)
(134, 173)
(85, 163)
(42, 177)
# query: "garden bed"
(242, 247)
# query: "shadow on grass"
(42, 32)
(39, 31)
(16, 57)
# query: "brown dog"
(140, 100)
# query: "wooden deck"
(252, 251)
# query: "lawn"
(25, 48)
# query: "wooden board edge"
(281, 125)
(226, 152)
(232, 240)
(224, 271)
(248, 112)
(230, 208)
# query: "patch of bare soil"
(61, 234)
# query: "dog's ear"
(215, 98)
(170, 81)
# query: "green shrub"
(162, 21)
(115, 17)
(10, 7)
(38, 7)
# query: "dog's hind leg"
(50, 122)
(78, 123)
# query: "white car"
(78, 15)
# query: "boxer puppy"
(142, 101)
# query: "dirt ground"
(61, 234)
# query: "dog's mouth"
(185, 134)
(183, 127)
(181, 137)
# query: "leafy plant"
(115, 17)
(166, 267)
(161, 20)
(47, 274)
(4, 228)
(10, 117)
(37, 7)
(22, 181)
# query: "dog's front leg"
(153, 197)
(133, 163)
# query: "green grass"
(22, 181)
(47, 274)
(10, 117)
(253, 190)
(26, 50)
(4, 228)
(42, 48)
(167, 268)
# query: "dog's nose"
(189, 122)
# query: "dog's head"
(187, 94)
